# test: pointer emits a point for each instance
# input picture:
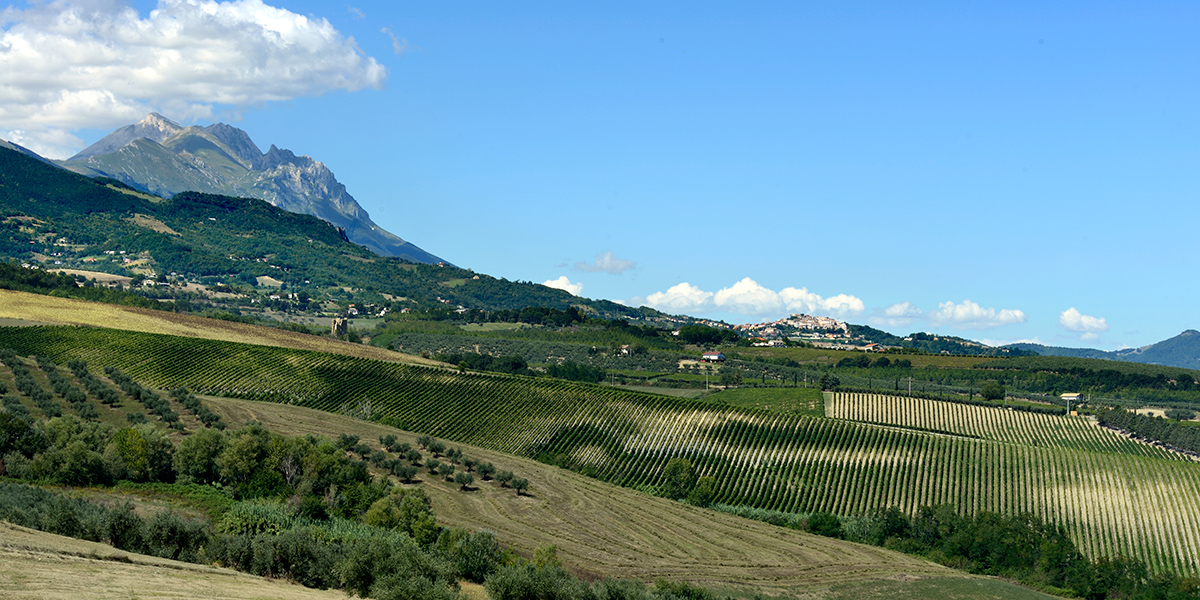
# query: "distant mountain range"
(1182, 350)
(164, 158)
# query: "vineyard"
(1112, 494)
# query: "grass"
(800, 401)
(474, 327)
(65, 311)
(1113, 495)
(603, 530)
(824, 356)
(666, 391)
(34, 564)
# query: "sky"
(1002, 171)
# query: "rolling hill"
(1113, 495)
(1181, 351)
(57, 218)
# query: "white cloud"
(69, 65)
(900, 314)
(679, 298)
(562, 283)
(748, 297)
(969, 315)
(606, 263)
(800, 300)
(399, 46)
(1073, 320)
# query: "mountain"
(1182, 351)
(164, 158)
(56, 219)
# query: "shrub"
(124, 529)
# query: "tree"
(485, 470)
(405, 472)
(244, 453)
(504, 477)
(826, 524)
(731, 376)
(678, 478)
(196, 456)
(464, 480)
(829, 381)
(446, 470)
(407, 510)
(704, 491)
(520, 485)
(436, 447)
(992, 391)
(433, 464)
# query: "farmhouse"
(1072, 397)
(713, 357)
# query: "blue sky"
(1002, 171)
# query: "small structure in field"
(339, 326)
(713, 357)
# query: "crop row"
(989, 423)
(1112, 497)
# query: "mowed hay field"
(1113, 495)
(35, 564)
(602, 530)
(67, 311)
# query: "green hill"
(1114, 496)
(63, 220)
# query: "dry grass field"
(34, 564)
(66, 311)
(606, 531)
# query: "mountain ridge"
(1181, 351)
(159, 156)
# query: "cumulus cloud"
(748, 297)
(1089, 326)
(680, 298)
(900, 314)
(606, 263)
(70, 65)
(969, 315)
(562, 283)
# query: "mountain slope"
(164, 158)
(1182, 351)
(221, 239)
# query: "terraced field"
(1113, 495)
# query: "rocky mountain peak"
(236, 140)
(154, 127)
(222, 159)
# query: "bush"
(124, 529)
(526, 582)
(823, 523)
(389, 561)
(1180, 414)
(170, 536)
(476, 555)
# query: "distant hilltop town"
(795, 325)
